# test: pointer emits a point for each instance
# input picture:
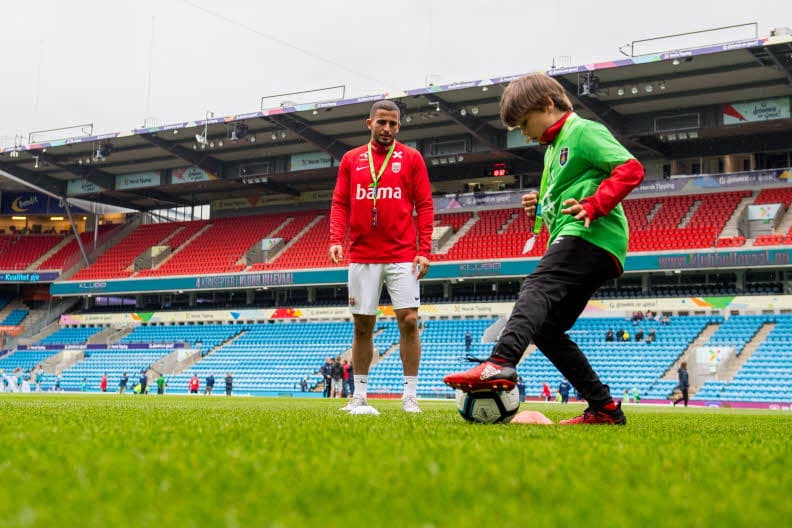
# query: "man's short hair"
(531, 92)
(384, 104)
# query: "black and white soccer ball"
(488, 406)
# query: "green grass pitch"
(107, 460)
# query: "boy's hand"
(575, 208)
(529, 202)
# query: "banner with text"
(137, 180)
(82, 186)
(191, 175)
(310, 160)
(753, 111)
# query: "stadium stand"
(201, 337)
(24, 359)
(113, 362)
(310, 251)
(781, 195)
(71, 250)
(442, 351)
(736, 331)
(766, 376)
(70, 336)
(15, 317)
(221, 246)
(18, 252)
(117, 261)
(657, 224)
(622, 365)
(272, 357)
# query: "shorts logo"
(563, 157)
(352, 301)
(396, 166)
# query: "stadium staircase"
(461, 231)
(60, 362)
(765, 376)
(42, 334)
(117, 261)
(292, 239)
(170, 364)
(70, 261)
(702, 339)
(785, 227)
(730, 228)
(14, 304)
(189, 233)
(107, 335)
(748, 351)
(689, 215)
(52, 251)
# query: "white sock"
(410, 386)
(361, 385)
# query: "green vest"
(583, 154)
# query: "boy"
(587, 173)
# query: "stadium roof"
(666, 105)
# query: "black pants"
(550, 301)
(684, 397)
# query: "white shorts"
(365, 286)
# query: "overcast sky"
(118, 63)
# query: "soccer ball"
(488, 406)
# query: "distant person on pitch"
(379, 186)
(684, 383)
(587, 173)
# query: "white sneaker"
(356, 401)
(410, 405)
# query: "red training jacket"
(404, 187)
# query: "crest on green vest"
(563, 156)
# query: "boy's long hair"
(531, 93)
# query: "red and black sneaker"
(600, 416)
(487, 375)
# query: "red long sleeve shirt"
(403, 187)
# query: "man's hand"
(575, 208)
(529, 202)
(336, 254)
(420, 266)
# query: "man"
(229, 383)
(563, 389)
(103, 383)
(587, 173)
(337, 373)
(327, 376)
(684, 383)
(122, 383)
(209, 385)
(143, 382)
(379, 186)
(468, 341)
